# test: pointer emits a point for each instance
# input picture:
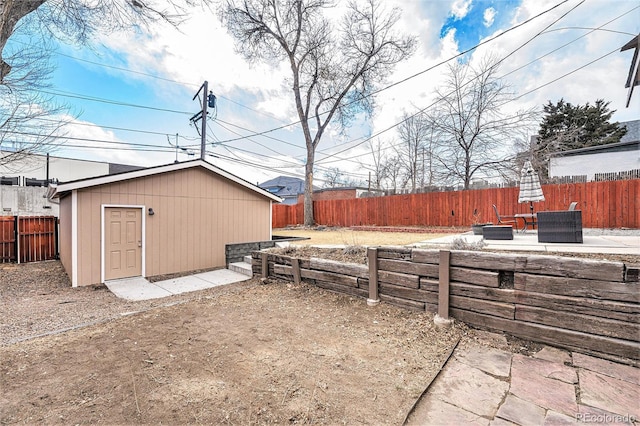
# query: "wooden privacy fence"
(28, 238)
(609, 204)
(592, 306)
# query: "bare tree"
(394, 176)
(415, 132)
(474, 136)
(28, 118)
(334, 68)
(380, 171)
(334, 177)
(79, 19)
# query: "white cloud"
(489, 16)
(460, 8)
(205, 51)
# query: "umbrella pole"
(531, 206)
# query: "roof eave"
(64, 188)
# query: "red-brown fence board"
(36, 238)
(37, 235)
(7, 239)
(606, 204)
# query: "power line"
(420, 72)
(181, 83)
(84, 140)
(124, 129)
(617, 49)
(108, 101)
(323, 160)
(599, 28)
(257, 165)
(96, 99)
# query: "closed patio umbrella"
(530, 189)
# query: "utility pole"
(178, 147)
(202, 115)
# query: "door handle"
(139, 243)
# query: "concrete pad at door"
(135, 288)
(201, 281)
(222, 276)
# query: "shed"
(160, 220)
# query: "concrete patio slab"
(528, 241)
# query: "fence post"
(442, 318)
(265, 264)
(295, 263)
(372, 254)
(17, 236)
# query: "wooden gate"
(28, 238)
(7, 239)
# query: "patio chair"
(505, 220)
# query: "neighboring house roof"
(62, 189)
(115, 168)
(611, 147)
(629, 142)
(284, 186)
(633, 131)
(342, 188)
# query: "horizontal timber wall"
(591, 306)
(610, 204)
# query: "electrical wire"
(112, 102)
(420, 72)
(323, 160)
(72, 138)
(124, 129)
(262, 133)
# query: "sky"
(130, 94)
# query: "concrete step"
(247, 259)
(241, 268)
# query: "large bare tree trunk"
(309, 220)
(11, 11)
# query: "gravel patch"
(37, 299)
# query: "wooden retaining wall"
(590, 306)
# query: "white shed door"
(123, 242)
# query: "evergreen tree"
(566, 126)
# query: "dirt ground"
(240, 354)
(245, 353)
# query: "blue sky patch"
(482, 18)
